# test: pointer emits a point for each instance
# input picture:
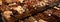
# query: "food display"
(30, 10)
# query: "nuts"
(19, 9)
(10, 1)
(57, 8)
(41, 20)
(0, 2)
(21, 1)
(7, 14)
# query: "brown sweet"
(30, 10)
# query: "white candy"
(49, 14)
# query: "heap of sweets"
(13, 10)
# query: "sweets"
(30, 10)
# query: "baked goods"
(30, 10)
